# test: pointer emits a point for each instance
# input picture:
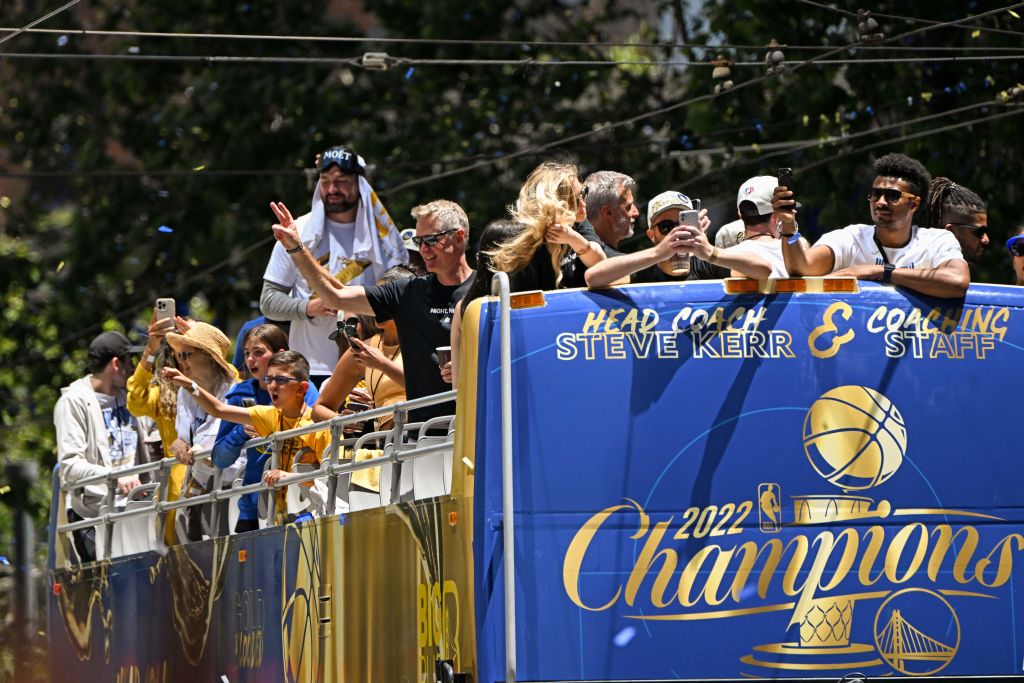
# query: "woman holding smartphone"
(377, 361)
(258, 344)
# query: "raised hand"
(285, 230)
(174, 375)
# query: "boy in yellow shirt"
(287, 380)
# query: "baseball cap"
(667, 200)
(110, 345)
(755, 195)
(344, 158)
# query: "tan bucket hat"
(204, 337)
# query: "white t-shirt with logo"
(768, 249)
(855, 245)
(121, 431)
(311, 337)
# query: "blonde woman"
(557, 245)
(150, 396)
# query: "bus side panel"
(795, 485)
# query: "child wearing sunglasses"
(287, 381)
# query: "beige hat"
(667, 200)
(208, 338)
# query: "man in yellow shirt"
(287, 381)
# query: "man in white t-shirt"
(351, 234)
(760, 236)
(893, 250)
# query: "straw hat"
(204, 337)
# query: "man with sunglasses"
(351, 234)
(422, 307)
(707, 262)
(95, 432)
(893, 250)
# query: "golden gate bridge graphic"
(900, 642)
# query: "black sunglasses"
(346, 160)
(978, 231)
(431, 240)
(666, 226)
(270, 380)
(891, 194)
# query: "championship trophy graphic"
(855, 439)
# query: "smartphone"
(356, 406)
(248, 402)
(785, 177)
(164, 309)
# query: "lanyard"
(881, 250)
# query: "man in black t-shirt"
(421, 307)
(671, 239)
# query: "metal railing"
(395, 452)
(500, 287)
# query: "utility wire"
(853, 15)
(28, 26)
(499, 43)
(403, 62)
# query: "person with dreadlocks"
(958, 209)
(893, 250)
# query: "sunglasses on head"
(978, 231)
(891, 194)
(666, 226)
(1015, 245)
(431, 240)
(346, 160)
(278, 379)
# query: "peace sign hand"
(285, 230)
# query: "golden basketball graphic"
(854, 437)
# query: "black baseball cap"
(344, 158)
(110, 345)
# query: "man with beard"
(350, 233)
(611, 207)
(893, 251)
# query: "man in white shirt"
(760, 235)
(893, 250)
(351, 234)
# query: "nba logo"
(769, 508)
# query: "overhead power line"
(28, 26)
(394, 61)
(914, 20)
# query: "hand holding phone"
(164, 309)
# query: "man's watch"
(887, 273)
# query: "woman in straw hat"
(201, 355)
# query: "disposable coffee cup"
(444, 354)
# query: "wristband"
(791, 238)
(150, 359)
(194, 390)
(294, 250)
(713, 256)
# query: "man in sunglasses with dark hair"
(351, 234)
(702, 260)
(422, 307)
(893, 250)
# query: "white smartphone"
(164, 309)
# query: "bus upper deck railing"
(395, 451)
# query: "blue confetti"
(408, 74)
(165, 229)
(62, 41)
(759, 127)
(163, 194)
(623, 637)
(870, 110)
(948, 90)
